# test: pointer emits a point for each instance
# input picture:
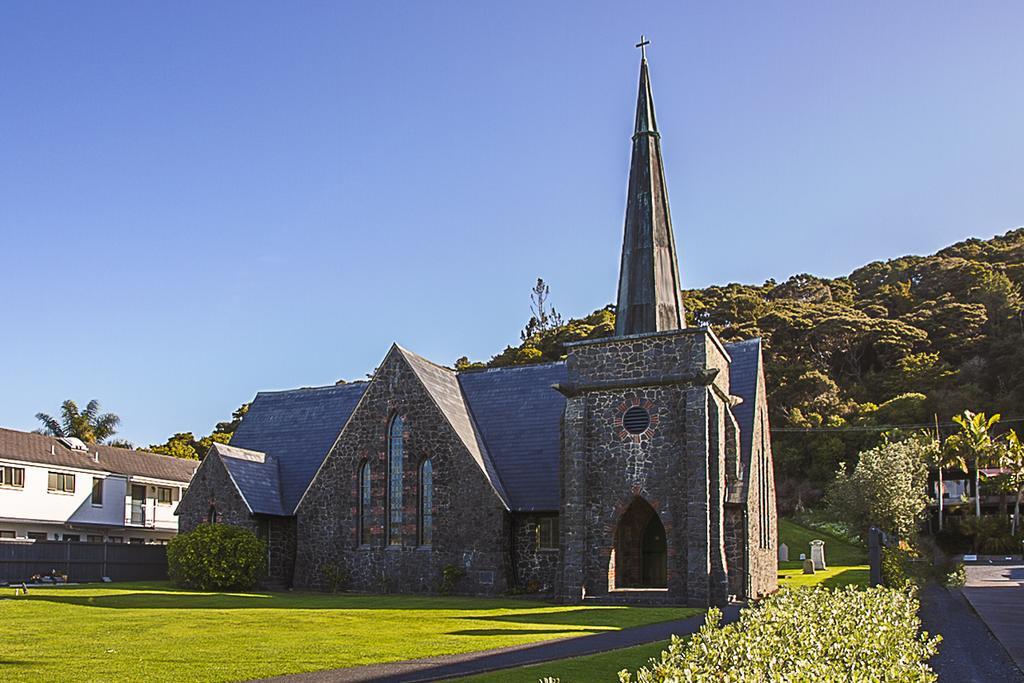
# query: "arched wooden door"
(641, 557)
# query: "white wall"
(38, 509)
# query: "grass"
(589, 669)
(155, 632)
(847, 563)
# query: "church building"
(636, 470)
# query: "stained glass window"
(395, 463)
(426, 502)
(364, 504)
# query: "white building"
(63, 490)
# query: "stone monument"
(818, 554)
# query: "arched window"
(211, 515)
(426, 502)
(395, 463)
(364, 504)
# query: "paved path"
(996, 592)
(454, 666)
(968, 653)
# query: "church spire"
(650, 299)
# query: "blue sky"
(202, 200)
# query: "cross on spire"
(643, 46)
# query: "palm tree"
(948, 457)
(975, 441)
(1012, 458)
(88, 425)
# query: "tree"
(975, 443)
(946, 458)
(186, 445)
(1012, 458)
(544, 317)
(886, 489)
(89, 425)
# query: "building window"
(211, 515)
(97, 491)
(426, 502)
(72, 538)
(547, 533)
(764, 490)
(37, 535)
(59, 482)
(365, 491)
(13, 477)
(115, 539)
(94, 538)
(136, 541)
(164, 495)
(395, 464)
(8, 534)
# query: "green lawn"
(155, 632)
(590, 669)
(846, 563)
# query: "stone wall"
(279, 534)
(762, 517)
(677, 466)
(471, 527)
(212, 487)
(536, 569)
(735, 549)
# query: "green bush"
(334, 577)
(957, 576)
(805, 634)
(990, 534)
(450, 576)
(217, 557)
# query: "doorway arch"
(641, 549)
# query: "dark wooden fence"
(82, 562)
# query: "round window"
(636, 420)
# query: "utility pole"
(938, 444)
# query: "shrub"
(217, 557)
(450, 576)
(957, 576)
(886, 489)
(335, 577)
(805, 634)
(990, 535)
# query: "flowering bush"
(802, 635)
(217, 557)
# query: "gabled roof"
(443, 386)
(743, 374)
(518, 415)
(295, 429)
(49, 450)
(255, 475)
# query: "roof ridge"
(424, 358)
(92, 444)
(318, 388)
(525, 366)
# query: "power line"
(881, 428)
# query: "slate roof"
(443, 386)
(743, 372)
(295, 429)
(518, 415)
(48, 450)
(257, 477)
(509, 419)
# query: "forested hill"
(892, 343)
